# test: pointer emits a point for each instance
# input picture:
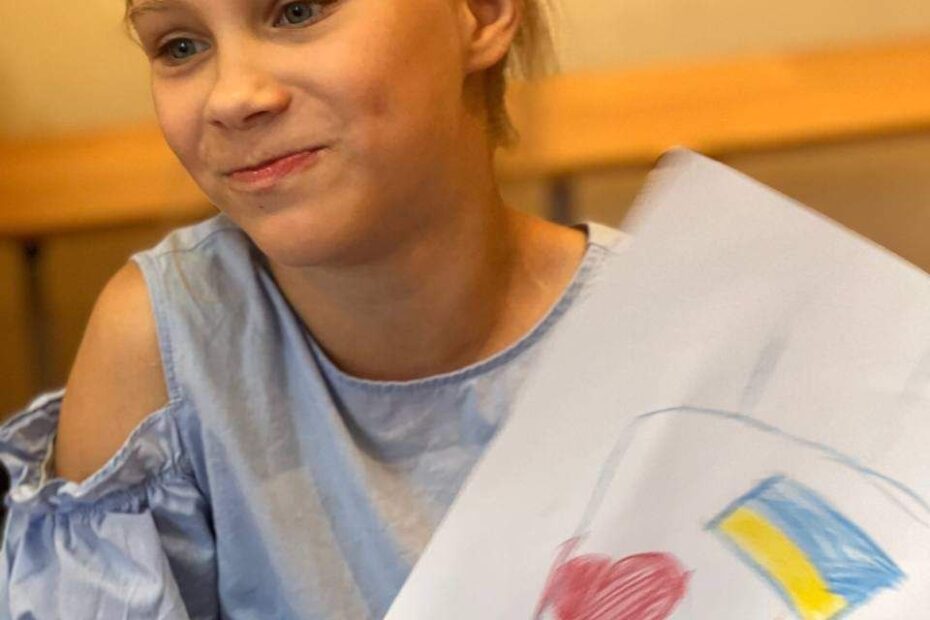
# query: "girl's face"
(362, 107)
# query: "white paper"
(732, 425)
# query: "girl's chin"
(305, 241)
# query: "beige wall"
(68, 69)
(614, 33)
(68, 66)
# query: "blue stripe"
(850, 562)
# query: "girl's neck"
(455, 295)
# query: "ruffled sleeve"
(132, 541)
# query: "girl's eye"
(180, 49)
(296, 13)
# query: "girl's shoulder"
(116, 379)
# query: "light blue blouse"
(272, 484)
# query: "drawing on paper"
(817, 560)
(821, 563)
(645, 586)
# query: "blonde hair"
(531, 56)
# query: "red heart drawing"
(646, 586)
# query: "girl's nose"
(244, 95)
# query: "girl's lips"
(269, 174)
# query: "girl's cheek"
(180, 122)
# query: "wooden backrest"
(585, 121)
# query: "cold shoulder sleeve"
(134, 540)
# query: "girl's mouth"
(269, 173)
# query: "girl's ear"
(488, 28)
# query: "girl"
(271, 410)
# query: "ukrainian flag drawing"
(822, 564)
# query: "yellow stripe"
(784, 562)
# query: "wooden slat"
(18, 380)
(119, 177)
(583, 121)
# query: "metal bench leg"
(560, 200)
(36, 315)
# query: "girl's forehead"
(204, 8)
(135, 8)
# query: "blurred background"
(827, 101)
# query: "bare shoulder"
(116, 380)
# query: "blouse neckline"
(599, 240)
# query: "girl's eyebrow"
(137, 8)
